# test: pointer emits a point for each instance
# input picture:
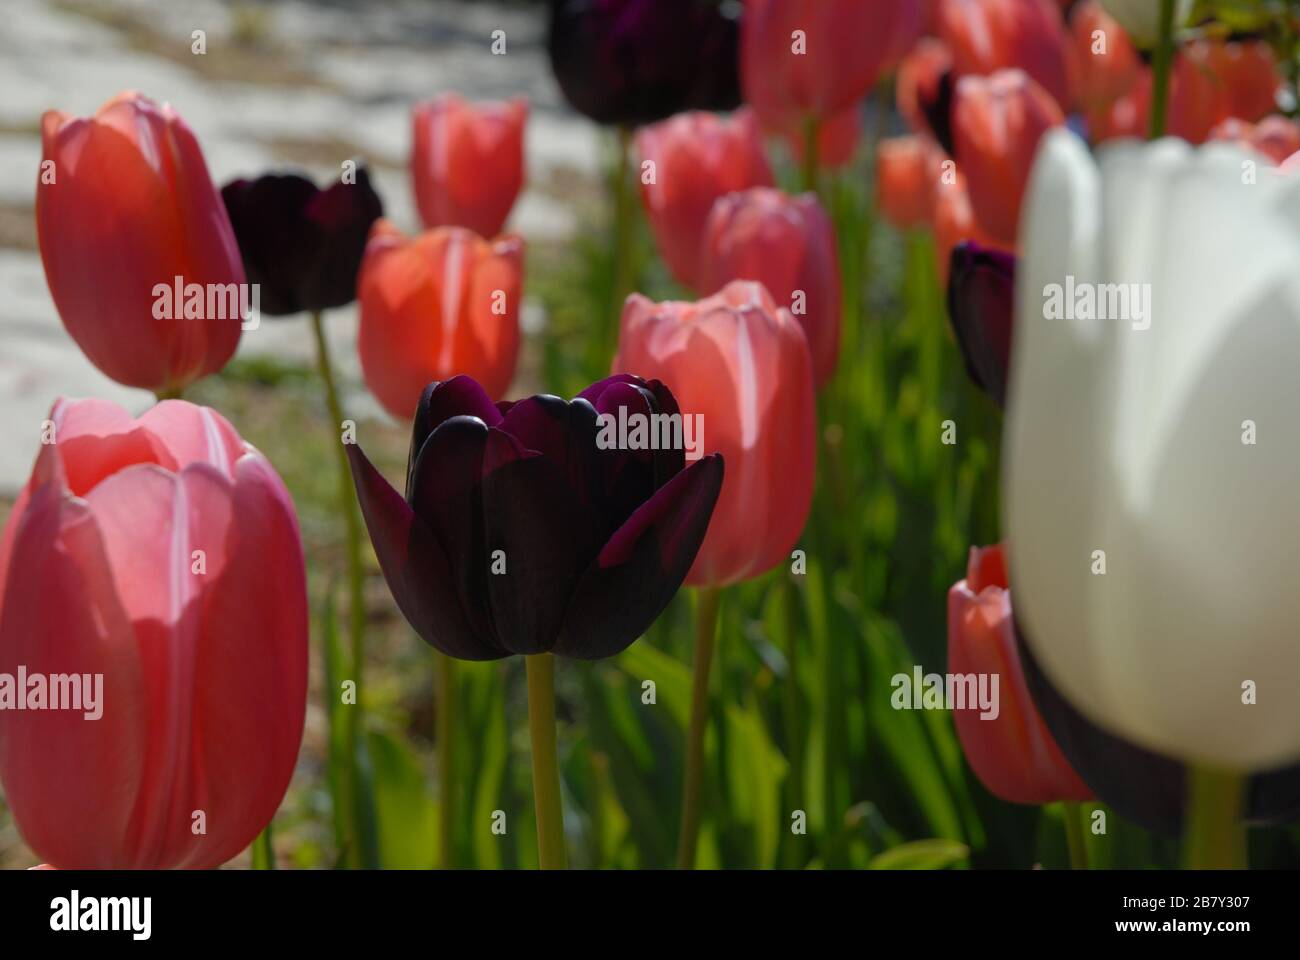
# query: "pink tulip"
(1276, 137)
(990, 35)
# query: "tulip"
(788, 245)
(1136, 436)
(918, 85)
(442, 303)
(1276, 137)
(467, 162)
(954, 221)
(907, 172)
(986, 36)
(1107, 61)
(981, 285)
(687, 163)
(1008, 747)
(1249, 75)
(837, 139)
(1197, 102)
(632, 62)
(1141, 18)
(997, 123)
(162, 556)
(302, 245)
(124, 207)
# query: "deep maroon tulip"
(301, 244)
(981, 294)
(523, 531)
(631, 62)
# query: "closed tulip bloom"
(788, 245)
(981, 294)
(1108, 63)
(814, 58)
(697, 158)
(986, 36)
(997, 123)
(467, 161)
(123, 204)
(161, 555)
(1141, 18)
(1136, 435)
(436, 305)
(302, 245)
(632, 62)
(1276, 137)
(741, 364)
(523, 531)
(919, 77)
(1249, 74)
(1008, 746)
(907, 173)
(954, 222)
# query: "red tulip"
(162, 556)
(1012, 753)
(907, 172)
(434, 306)
(997, 123)
(1276, 137)
(919, 76)
(1198, 101)
(467, 162)
(742, 364)
(814, 58)
(687, 162)
(1108, 63)
(788, 245)
(1249, 75)
(990, 35)
(124, 207)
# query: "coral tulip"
(1248, 72)
(124, 209)
(918, 82)
(907, 172)
(837, 139)
(743, 365)
(1276, 137)
(1007, 745)
(986, 36)
(522, 532)
(788, 245)
(981, 288)
(158, 560)
(442, 303)
(687, 163)
(954, 221)
(302, 245)
(467, 162)
(1108, 64)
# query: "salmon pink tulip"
(986, 36)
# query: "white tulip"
(1136, 442)
(1141, 18)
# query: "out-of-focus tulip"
(918, 82)
(687, 163)
(997, 123)
(1108, 64)
(1276, 137)
(1141, 18)
(523, 532)
(300, 244)
(433, 306)
(954, 221)
(1249, 75)
(1007, 745)
(124, 204)
(742, 364)
(981, 294)
(986, 36)
(1132, 431)
(815, 58)
(837, 139)
(631, 62)
(157, 561)
(467, 161)
(788, 245)
(907, 173)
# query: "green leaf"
(407, 812)
(936, 854)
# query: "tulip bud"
(981, 294)
(1007, 744)
(158, 562)
(1250, 77)
(741, 364)
(525, 531)
(127, 215)
(907, 173)
(302, 245)
(467, 162)
(954, 222)
(986, 36)
(432, 306)
(788, 245)
(1107, 61)
(687, 163)
(919, 83)
(997, 123)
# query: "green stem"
(546, 765)
(792, 707)
(362, 842)
(1214, 837)
(811, 152)
(706, 628)
(1162, 65)
(1073, 815)
(446, 707)
(622, 280)
(263, 855)
(169, 393)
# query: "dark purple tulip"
(301, 244)
(520, 535)
(1145, 787)
(631, 62)
(981, 302)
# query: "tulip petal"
(441, 400)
